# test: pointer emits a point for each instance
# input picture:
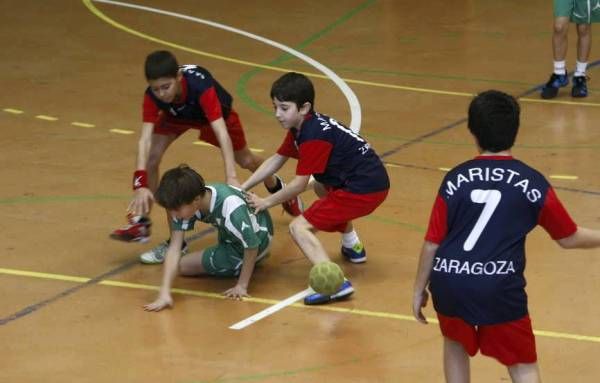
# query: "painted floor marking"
(203, 143)
(563, 177)
(13, 111)
(121, 131)
(46, 118)
(330, 308)
(354, 104)
(82, 124)
(271, 310)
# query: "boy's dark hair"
(179, 186)
(294, 87)
(160, 64)
(494, 120)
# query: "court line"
(354, 104)
(85, 282)
(99, 14)
(271, 309)
(329, 308)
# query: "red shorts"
(510, 343)
(167, 125)
(338, 207)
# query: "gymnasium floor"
(70, 114)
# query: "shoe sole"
(129, 239)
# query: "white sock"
(580, 69)
(560, 67)
(350, 239)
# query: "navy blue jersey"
(484, 210)
(335, 155)
(204, 99)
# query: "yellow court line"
(203, 143)
(204, 294)
(563, 177)
(13, 111)
(82, 124)
(121, 131)
(444, 169)
(102, 16)
(46, 118)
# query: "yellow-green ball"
(326, 278)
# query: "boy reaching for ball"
(351, 180)
(473, 258)
(243, 236)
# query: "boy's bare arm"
(169, 272)
(291, 190)
(240, 290)
(269, 167)
(220, 129)
(420, 295)
(142, 198)
(583, 238)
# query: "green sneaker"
(157, 254)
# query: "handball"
(326, 278)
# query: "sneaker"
(355, 254)
(294, 206)
(157, 255)
(550, 90)
(137, 230)
(343, 292)
(579, 87)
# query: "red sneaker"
(137, 230)
(294, 206)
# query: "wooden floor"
(72, 83)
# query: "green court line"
(242, 83)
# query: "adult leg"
(457, 367)
(524, 373)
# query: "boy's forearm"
(171, 261)
(266, 169)
(291, 190)
(220, 130)
(425, 264)
(583, 238)
(250, 256)
(144, 146)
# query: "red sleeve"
(555, 218)
(287, 148)
(438, 222)
(210, 104)
(314, 155)
(149, 110)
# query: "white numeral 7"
(491, 199)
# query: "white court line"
(270, 310)
(355, 111)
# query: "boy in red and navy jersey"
(179, 98)
(473, 257)
(349, 177)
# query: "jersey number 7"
(491, 199)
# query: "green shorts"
(579, 11)
(223, 260)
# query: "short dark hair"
(294, 87)
(160, 64)
(494, 120)
(179, 186)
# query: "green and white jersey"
(238, 226)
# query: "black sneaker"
(579, 87)
(550, 90)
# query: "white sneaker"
(157, 254)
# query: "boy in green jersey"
(243, 237)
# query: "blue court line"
(126, 266)
(420, 138)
